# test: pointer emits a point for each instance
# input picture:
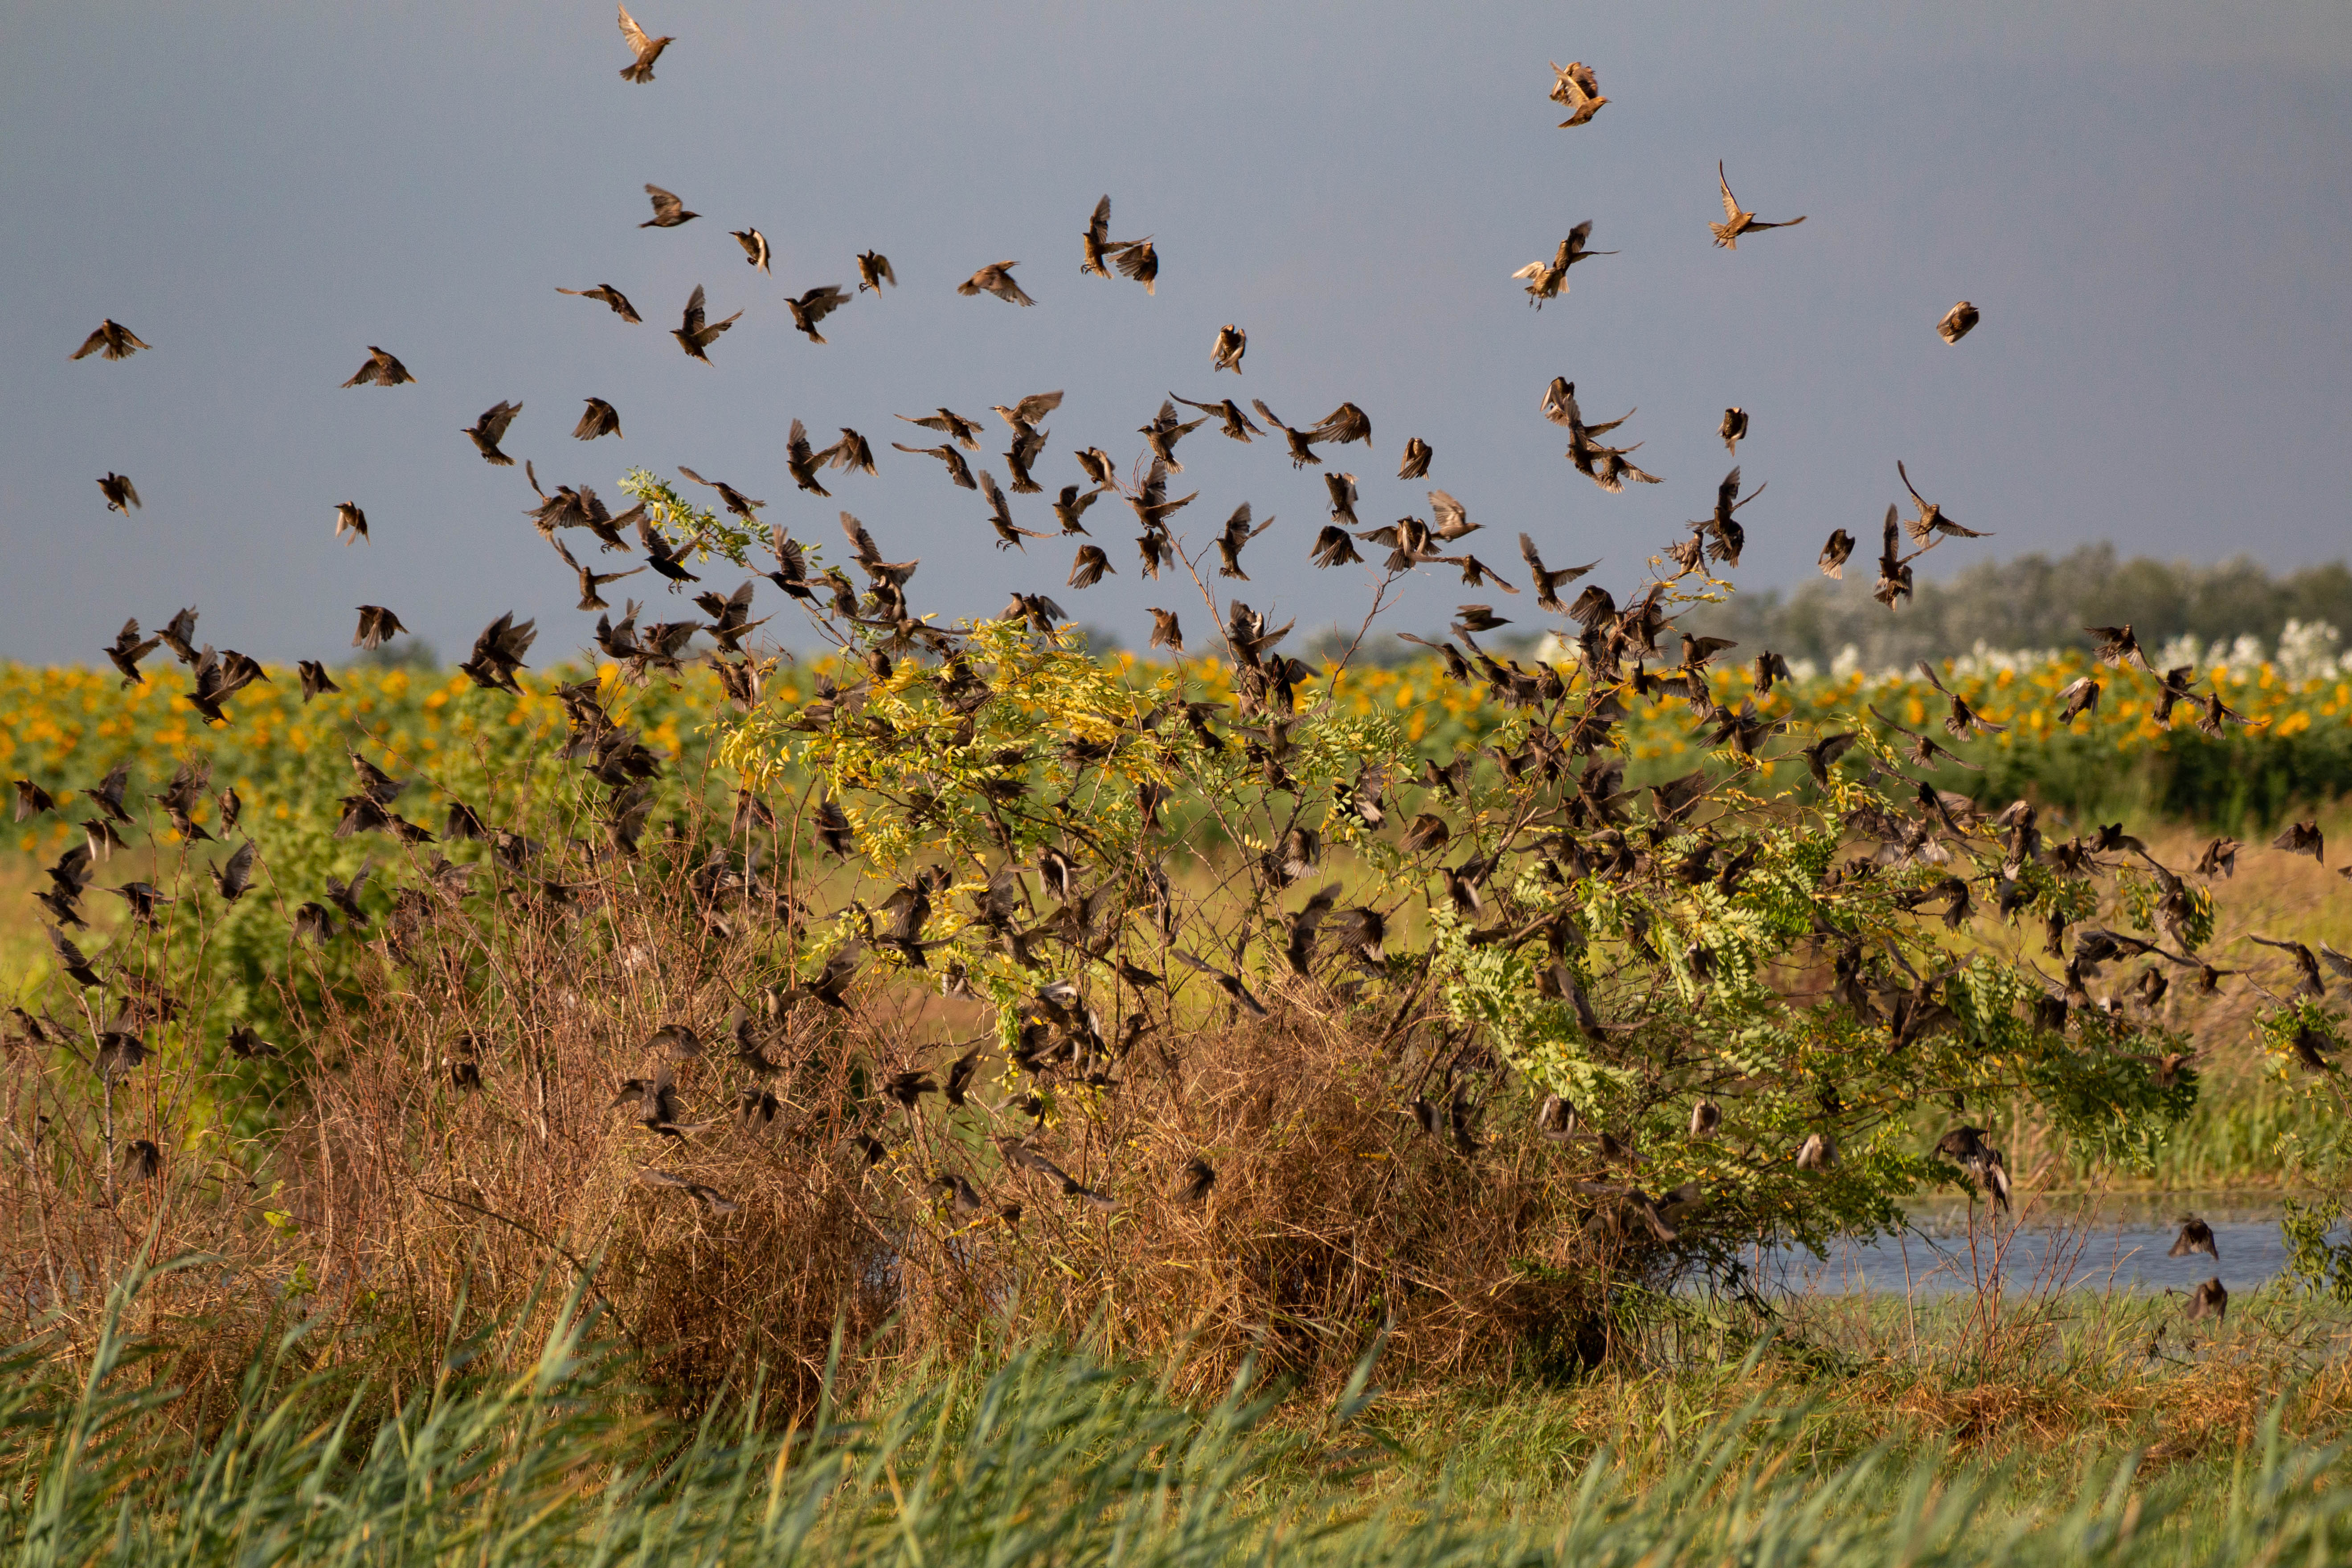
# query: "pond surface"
(2094, 1243)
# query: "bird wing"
(632, 34)
(1730, 204)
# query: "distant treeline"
(2031, 601)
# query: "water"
(2084, 1242)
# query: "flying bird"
(1141, 263)
(692, 336)
(1549, 280)
(644, 50)
(668, 211)
(120, 495)
(1415, 464)
(1098, 250)
(1733, 429)
(958, 470)
(381, 370)
(378, 626)
(351, 522)
(996, 277)
(490, 428)
(874, 270)
(1226, 353)
(1578, 89)
(1836, 554)
(112, 340)
(1726, 233)
(610, 296)
(1957, 323)
(755, 246)
(600, 418)
(814, 306)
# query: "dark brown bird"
(1415, 464)
(610, 296)
(646, 50)
(1578, 89)
(996, 279)
(2303, 839)
(2209, 1300)
(668, 211)
(1957, 323)
(1836, 554)
(381, 370)
(1733, 429)
(378, 626)
(963, 432)
(1098, 249)
(814, 306)
(1302, 451)
(1231, 984)
(1548, 582)
(120, 495)
(1344, 424)
(1087, 569)
(112, 340)
(1727, 233)
(1237, 533)
(874, 270)
(499, 654)
(127, 649)
(958, 470)
(1548, 280)
(2196, 1235)
(1931, 523)
(490, 428)
(1166, 631)
(599, 418)
(692, 334)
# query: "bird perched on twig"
(668, 211)
(646, 50)
(1727, 233)
(112, 340)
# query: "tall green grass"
(1038, 1459)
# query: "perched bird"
(996, 279)
(755, 246)
(1733, 428)
(2195, 1236)
(599, 418)
(381, 370)
(112, 340)
(1957, 323)
(120, 495)
(1575, 86)
(1727, 233)
(874, 270)
(692, 334)
(490, 428)
(1226, 353)
(668, 211)
(610, 296)
(646, 50)
(351, 522)
(1415, 464)
(813, 307)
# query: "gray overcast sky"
(2152, 205)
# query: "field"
(469, 1348)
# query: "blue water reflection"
(2096, 1243)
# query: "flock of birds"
(610, 752)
